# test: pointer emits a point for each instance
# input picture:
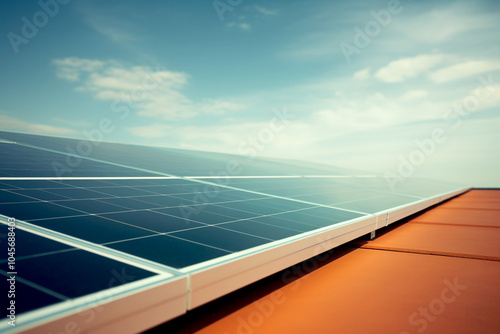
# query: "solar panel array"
(103, 223)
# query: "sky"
(401, 88)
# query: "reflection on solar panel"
(117, 237)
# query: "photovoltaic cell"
(28, 298)
(94, 229)
(170, 251)
(21, 161)
(28, 244)
(77, 273)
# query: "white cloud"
(406, 68)
(107, 23)
(71, 68)
(440, 25)
(462, 70)
(414, 95)
(488, 96)
(154, 93)
(265, 11)
(218, 107)
(112, 33)
(362, 74)
(15, 124)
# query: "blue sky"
(400, 88)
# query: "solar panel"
(175, 233)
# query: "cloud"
(154, 93)
(71, 68)
(218, 106)
(414, 95)
(265, 11)
(15, 124)
(112, 33)
(113, 23)
(462, 70)
(362, 74)
(447, 23)
(406, 68)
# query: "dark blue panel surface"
(285, 223)
(77, 273)
(26, 297)
(78, 193)
(129, 203)
(169, 251)
(221, 238)
(9, 197)
(94, 229)
(122, 191)
(22, 161)
(91, 206)
(153, 221)
(38, 194)
(27, 244)
(260, 230)
(162, 200)
(197, 214)
(36, 210)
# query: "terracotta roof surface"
(438, 272)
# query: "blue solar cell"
(91, 206)
(28, 244)
(27, 298)
(169, 251)
(285, 223)
(77, 273)
(260, 230)
(21, 161)
(78, 193)
(38, 194)
(255, 206)
(121, 191)
(197, 214)
(162, 200)
(221, 238)
(94, 229)
(9, 197)
(33, 184)
(152, 221)
(129, 203)
(36, 210)
(228, 212)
